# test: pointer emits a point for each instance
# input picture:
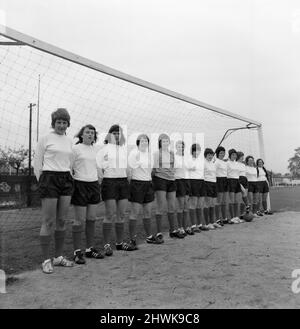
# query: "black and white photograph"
(149, 157)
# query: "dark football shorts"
(183, 187)
(161, 184)
(197, 188)
(244, 181)
(211, 189)
(141, 191)
(263, 187)
(85, 193)
(222, 184)
(253, 187)
(53, 184)
(234, 185)
(115, 189)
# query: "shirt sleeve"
(39, 157)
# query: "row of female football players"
(196, 198)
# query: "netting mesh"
(100, 99)
(90, 97)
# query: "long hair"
(162, 136)
(138, 140)
(183, 145)
(115, 128)
(80, 133)
(195, 147)
(263, 167)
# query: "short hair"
(248, 158)
(162, 136)
(138, 140)
(195, 147)
(115, 128)
(219, 149)
(80, 133)
(231, 151)
(239, 154)
(60, 114)
(208, 151)
(259, 160)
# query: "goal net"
(34, 72)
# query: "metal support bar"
(11, 43)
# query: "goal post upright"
(262, 153)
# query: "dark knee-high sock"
(45, 245)
(180, 219)
(231, 210)
(200, 219)
(206, 215)
(147, 226)
(254, 208)
(106, 229)
(59, 237)
(171, 219)
(119, 227)
(77, 236)
(265, 205)
(212, 215)
(193, 216)
(236, 209)
(90, 233)
(158, 218)
(217, 212)
(132, 228)
(242, 208)
(186, 219)
(223, 210)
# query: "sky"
(242, 56)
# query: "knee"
(109, 216)
(160, 208)
(48, 226)
(133, 215)
(77, 222)
(181, 206)
(171, 208)
(60, 223)
(147, 213)
(121, 217)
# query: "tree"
(294, 164)
(16, 158)
(3, 161)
